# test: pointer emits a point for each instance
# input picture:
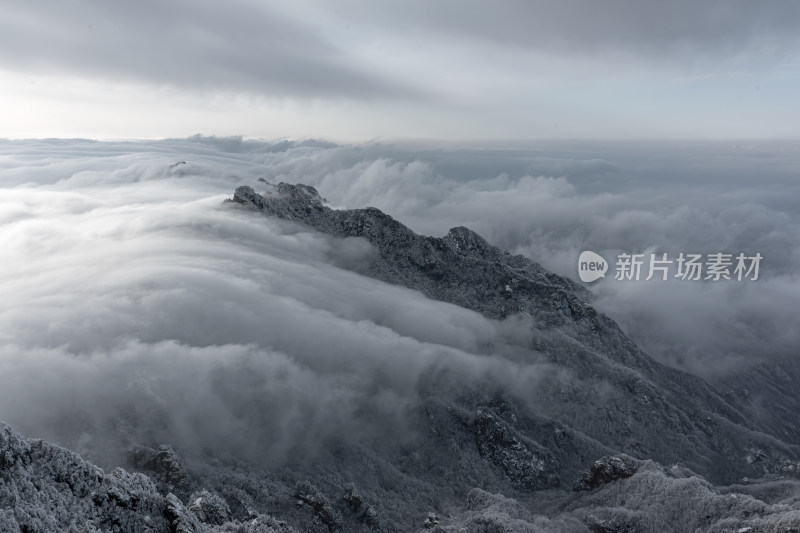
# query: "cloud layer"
(552, 202)
(130, 293)
(136, 305)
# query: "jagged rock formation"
(617, 398)
(461, 268)
(605, 471)
(163, 466)
(307, 494)
(210, 508)
(528, 465)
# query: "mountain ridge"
(605, 439)
(463, 269)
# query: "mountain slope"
(616, 396)
(500, 452)
(47, 489)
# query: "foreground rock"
(48, 489)
(45, 488)
(606, 470)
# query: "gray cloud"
(130, 294)
(241, 46)
(364, 70)
(136, 306)
(318, 49)
(679, 31)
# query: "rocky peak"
(466, 241)
(283, 200)
(300, 194)
(441, 268)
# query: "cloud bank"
(554, 201)
(131, 294)
(136, 305)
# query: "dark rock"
(180, 518)
(309, 495)
(164, 466)
(606, 470)
(209, 508)
(527, 465)
(431, 521)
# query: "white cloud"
(130, 293)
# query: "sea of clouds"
(135, 304)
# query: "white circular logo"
(591, 266)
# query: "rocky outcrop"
(45, 488)
(48, 489)
(308, 495)
(364, 512)
(461, 268)
(163, 466)
(528, 465)
(631, 496)
(606, 470)
(209, 508)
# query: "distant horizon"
(416, 142)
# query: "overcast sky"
(357, 70)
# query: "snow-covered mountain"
(45, 488)
(584, 432)
(615, 397)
